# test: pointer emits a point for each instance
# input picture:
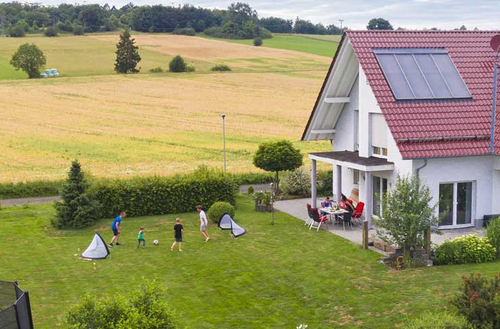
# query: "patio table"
(331, 211)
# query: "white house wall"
(495, 196)
(344, 129)
(478, 170)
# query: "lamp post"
(223, 116)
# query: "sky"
(410, 14)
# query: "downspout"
(494, 105)
(420, 168)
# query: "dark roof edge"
(341, 43)
(452, 156)
(422, 31)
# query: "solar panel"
(421, 73)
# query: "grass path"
(274, 277)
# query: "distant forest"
(238, 21)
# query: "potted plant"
(262, 201)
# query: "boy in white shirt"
(203, 222)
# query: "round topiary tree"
(177, 64)
(276, 157)
(257, 42)
(218, 209)
(30, 59)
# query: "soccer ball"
(155, 242)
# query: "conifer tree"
(77, 209)
(127, 54)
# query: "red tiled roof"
(464, 124)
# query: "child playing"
(140, 237)
(178, 230)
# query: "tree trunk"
(277, 183)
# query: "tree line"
(239, 20)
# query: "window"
(379, 151)
(379, 133)
(355, 176)
(379, 189)
(421, 73)
(455, 204)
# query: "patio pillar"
(368, 198)
(338, 170)
(313, 184)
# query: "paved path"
(23, 201)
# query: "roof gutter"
(439, 139)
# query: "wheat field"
(146, 124)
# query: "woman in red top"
(345, 204)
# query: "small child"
(178, 230)
(140, 237)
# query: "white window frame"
(455, 204)
(381, 194)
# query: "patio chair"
(359, 211)
(317, 219)
(309, 219)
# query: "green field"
(311, 44)
(274, 277)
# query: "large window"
(379, 133)
(455, 204)
(421, 73)
(379, 190)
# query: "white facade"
(472, 183)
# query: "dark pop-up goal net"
(15, 310)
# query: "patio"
(297, 208)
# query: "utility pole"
(341, 21)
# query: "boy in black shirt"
(178, 230)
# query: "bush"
(177, 64)
(77, 209)
(16, 31)
(479, 301)
(464, 250)
(442, 320)
(250, 190)
(146, 309)
(493, 233)
(218, 209)
(298, 182)
(156, 70)
(30, 189)
(232, 30)
(190, 68)
(184, 31)
(51, 31)
(78, 29)
(257, 42)
(325, 183)
(220, 68)
(252, 178)
(156, 195)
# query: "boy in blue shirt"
(117, 228)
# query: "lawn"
(274, 277)
(317, 45)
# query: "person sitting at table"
(327, 203)
(345, 204)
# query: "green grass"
(274, 277)
(323, 46)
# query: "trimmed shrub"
(257, 42)
(479, 301)
(156, 195)
(51, 31)
(250, 190)
(218, 209)
(156, 70)
(78, 29)
(220, 68)
(297, 182)
(493, 233)
(464, 250)
(252, 178)
(177, 64)
(184, 31)
(146, 309)
(441, 320)
(30, 189)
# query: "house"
(412, 103)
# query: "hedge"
(161, 195)
(30, 189)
